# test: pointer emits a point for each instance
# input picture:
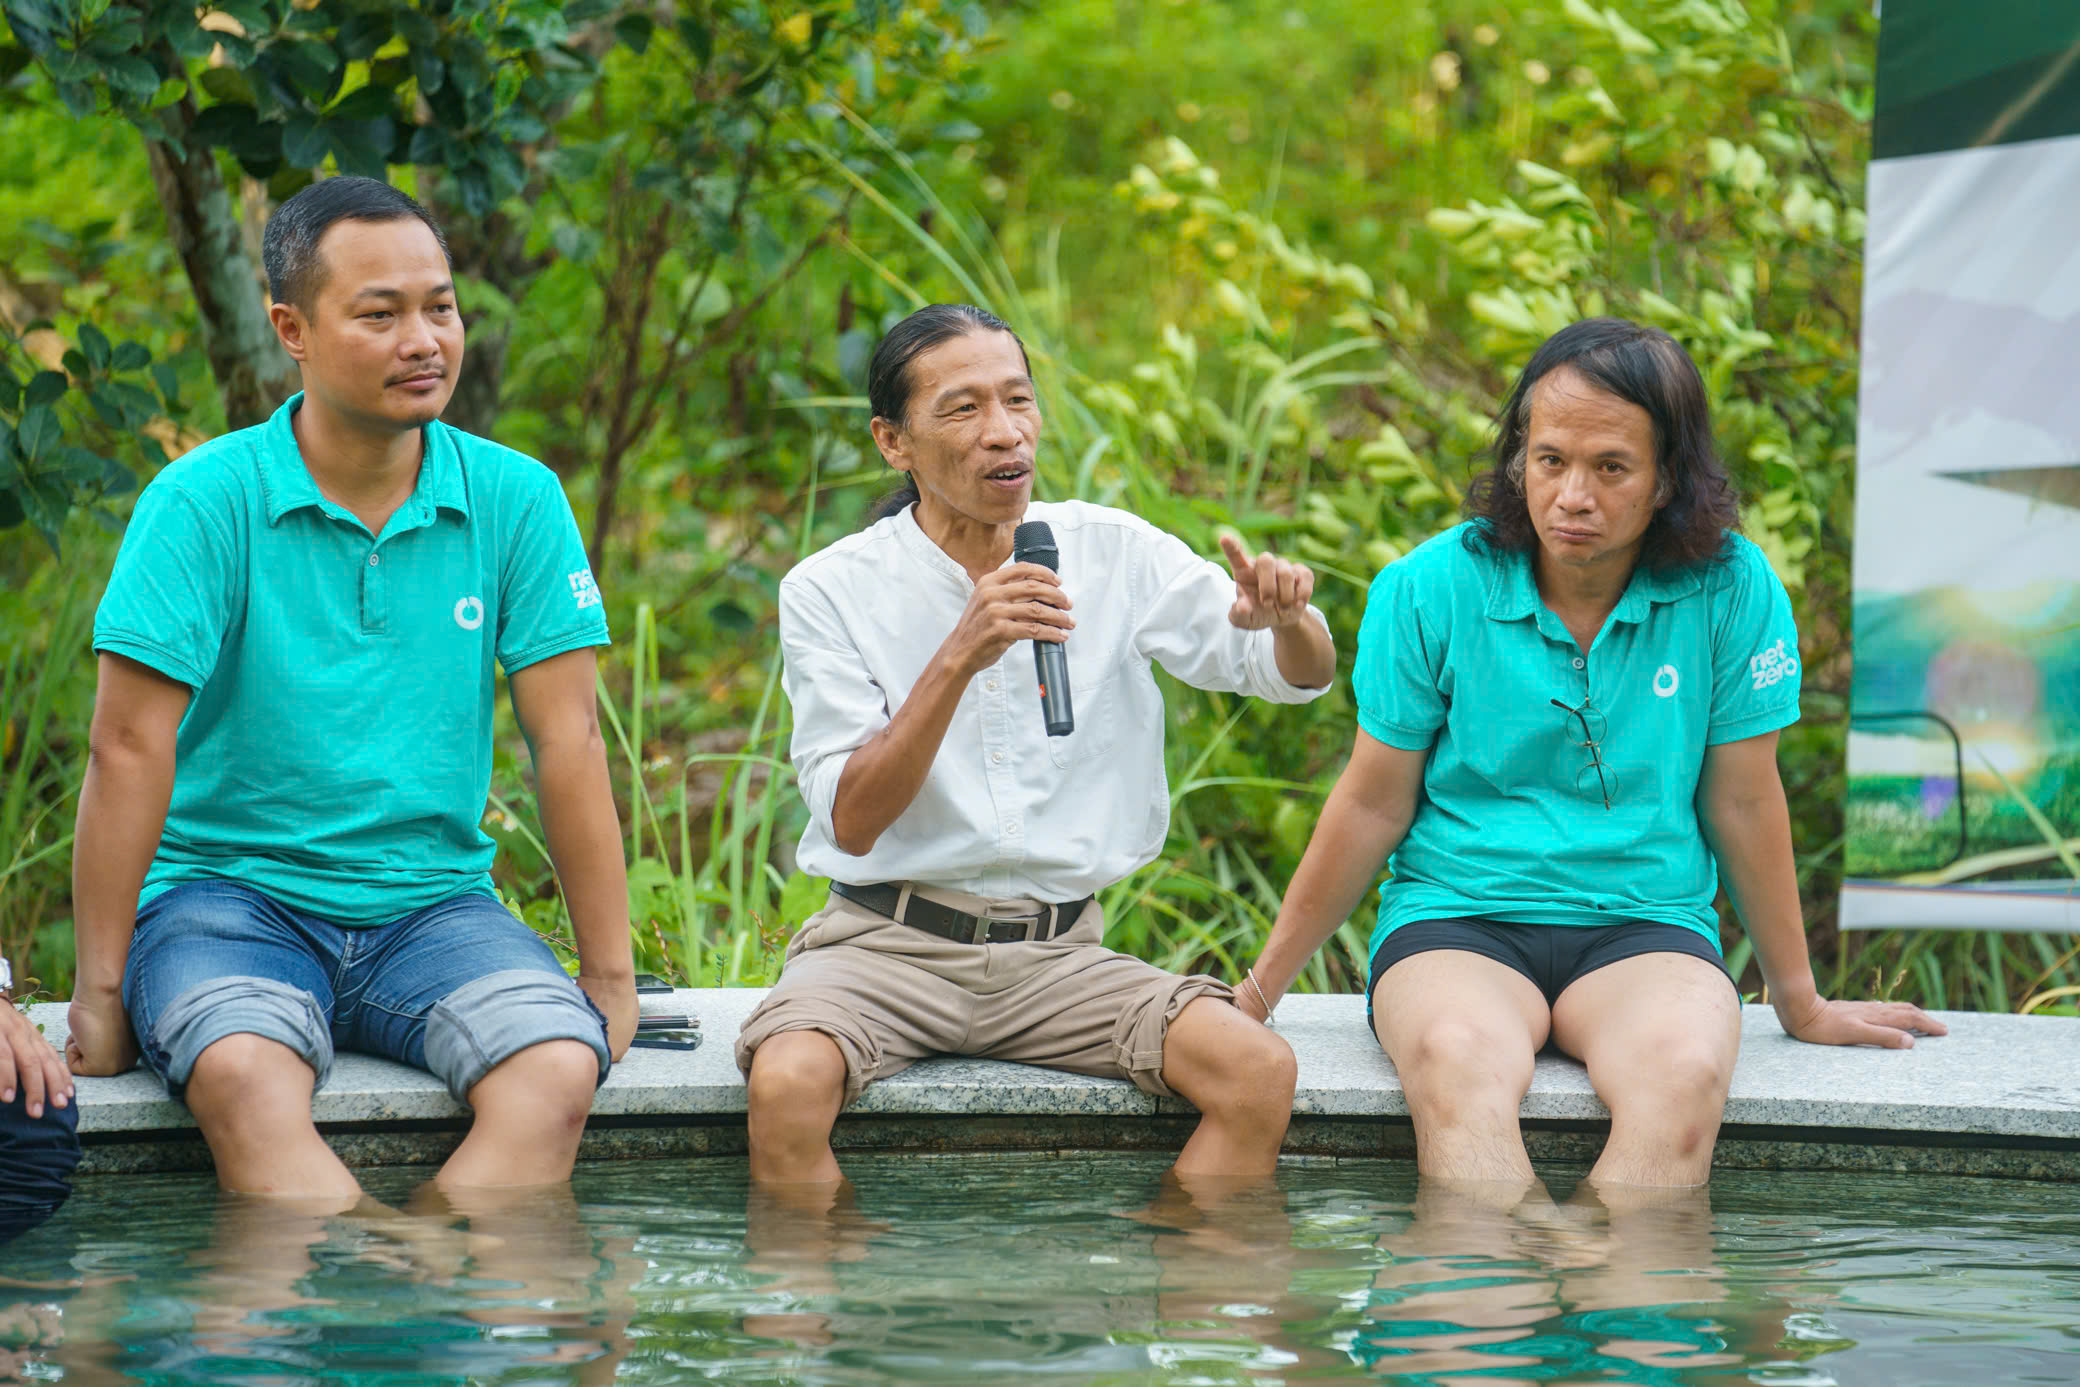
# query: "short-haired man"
(291, 744)
(1567, 709)
(39, 1127)
(964, 843)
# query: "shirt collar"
(927, 552)
(1513, 591)
(286, 485)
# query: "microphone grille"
(1033, 542)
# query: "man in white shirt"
(964, 844)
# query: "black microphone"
(1033, 542)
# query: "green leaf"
(131, 356)
(362, 103)
(635, 31)
(303, 143)
(251, 15)
(428, 69)
(10, 391)
(700, 40)
(94, 342)
(170, 91)
(361, 146)
(106, 407)
(79, 466)
(132, 77)
(37, 432)
(362, 34)
(137, 403)
(78, 98)
(312, 66)
(44, 387)
(169, 383)
(416, 28)
(227, 84)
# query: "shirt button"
(996, 756)
(1578, 660)
(991, 686)
(374, 559)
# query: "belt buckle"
(985, 923)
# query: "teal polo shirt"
(336, 753)
(1459, 656)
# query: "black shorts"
(1552, 956)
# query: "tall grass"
(43, 708)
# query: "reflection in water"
(454, 1285)
(1501, 1285)
(1051, 1268)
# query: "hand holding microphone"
(1022, 601)
(1033, 542)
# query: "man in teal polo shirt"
(278, 851)
(1568, 713)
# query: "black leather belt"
(906, 907)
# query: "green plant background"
(1275, 265)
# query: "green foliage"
(286, 86)
(1274, 265)
(63, 431)
(693, 221)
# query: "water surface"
(1074, 1269)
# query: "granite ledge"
(2003, 1077)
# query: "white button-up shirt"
(1006, 810)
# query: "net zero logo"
(469, 613)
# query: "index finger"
(1908, 1016)
(57, 1079)
(1239, 560)
(28, 1076)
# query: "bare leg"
(1659, 1033)
(797, 1085)
(1463, 1031)
(797, 1234)
(531, 1110)
(252, 1098)
(1240, 1077)
(534, 1264)
(1458, 1290)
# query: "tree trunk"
(253, 373)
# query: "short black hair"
(1642, 366)
(289, 246)
(888, 372)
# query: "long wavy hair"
(1643, 366)
(888, 373)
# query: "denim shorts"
(37, 1155)
(455, 989)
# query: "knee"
(1244, 1069)
(250, 1066)
(1463, 1056)
(1266, 1065)
(552, 1083)
(1677, 1074)
(796, 1072)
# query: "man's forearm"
(881, 778)
(583, 836)
(1352, 839)
(1752, 840)
(1304, 652)
(122, 812)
